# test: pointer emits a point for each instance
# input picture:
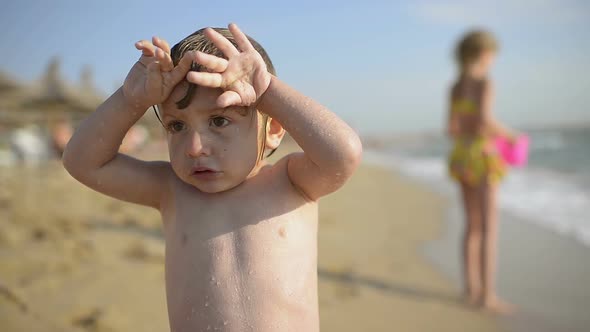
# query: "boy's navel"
(282, 232)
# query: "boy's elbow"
(68, 161)
(71, 163)
(65, 158)
(354, 154)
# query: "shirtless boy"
(240, 233)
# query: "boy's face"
(210, 148)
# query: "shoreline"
(540, 270)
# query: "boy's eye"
(175, 126)
(218, 122)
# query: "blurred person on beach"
(29, 145)
(477, 166)
(134, 140)
(240, 233)
(60, 131)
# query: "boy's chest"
(248, 216)
(223, 238)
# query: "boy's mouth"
(204, 173)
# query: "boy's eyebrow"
(242, 110)
(176, 113)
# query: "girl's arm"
(490, 124)
(452, 120)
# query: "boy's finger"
(146, 47)
(161, 43)
(154, 78)
(221, 42)
(228, 98)
(240, 37)
(212, 80)
(183, 66)
(164, 59)
(212, 62)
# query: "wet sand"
(546, 275)
(74, 260)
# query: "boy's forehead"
(203, 97)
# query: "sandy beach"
(74, 260)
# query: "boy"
(241, 251)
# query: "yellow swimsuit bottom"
(474, 160)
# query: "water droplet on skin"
(224, 323)
(248, 298)
(208, 327)
(206, 304)
(212, 278)
(217, 283)
(250, 272)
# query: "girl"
(476, 165)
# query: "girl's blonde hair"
(472, 45)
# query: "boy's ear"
(274, 134)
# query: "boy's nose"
(195, 147)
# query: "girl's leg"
(491, 301)
(472, 244)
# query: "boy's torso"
(242, 260)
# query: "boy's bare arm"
(91, 155)
(332, 150)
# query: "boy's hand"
(153, 76)
(244, 76)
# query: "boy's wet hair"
(473, 45)
(197, 41)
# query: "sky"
(383, 66)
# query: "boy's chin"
(212, 187)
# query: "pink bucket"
(514, 154)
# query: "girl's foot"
(497, 306)
(472, 299)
